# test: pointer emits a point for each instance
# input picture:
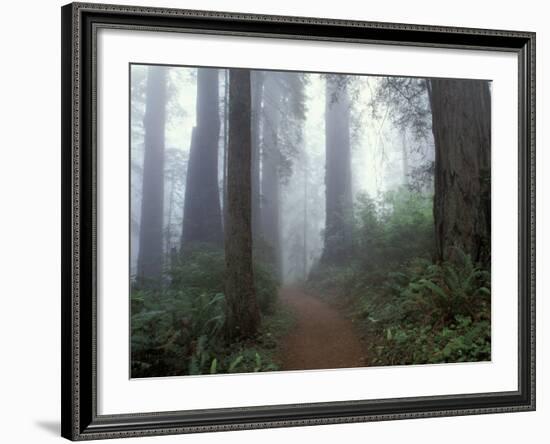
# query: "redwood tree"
(339, 203)
(149, 265)
(461, 124)
(283, 113)
(202, 220)
(257, 80)
(271, 156)
(242, 312)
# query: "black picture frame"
(80, 22)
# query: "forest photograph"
(286, 220)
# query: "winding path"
(322, 337)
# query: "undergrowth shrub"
(201, 271)
(395, 229)
(387, 232)
(176, 329)
(411, 310)
(428, 313)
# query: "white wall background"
(30, 221)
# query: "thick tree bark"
(242, 312)
(150, 254)
(461, 114)
(202, 221)
(339, 203)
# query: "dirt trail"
(322, 338)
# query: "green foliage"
(411, 310)
(256, 355)
(428, 313)
(329, 279)
(199, 269)
(387, 233)
(177, 329)
(395, 229)
(202, 269)
(266, 287)
(172, 330)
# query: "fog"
(386, 153)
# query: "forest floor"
(322, 336)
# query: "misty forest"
(291, 221)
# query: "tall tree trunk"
(461, 115)
(404, 156)
(225, 141)
(271, 227)
(202, 214)
(306, 178)
(170, 206)
(339, 204)
(256, 78)
(150, 236)
(242, 312)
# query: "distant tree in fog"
(339, 201)
(202, 219)
(150, 256)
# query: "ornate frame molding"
(80, 22)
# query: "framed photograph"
(280, 221)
